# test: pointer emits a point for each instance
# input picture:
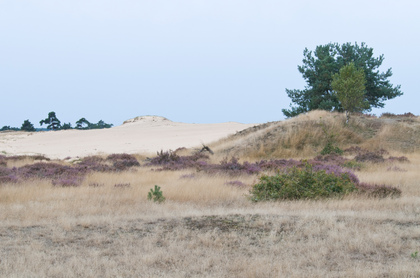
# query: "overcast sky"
(190, 61)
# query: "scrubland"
(105, 226)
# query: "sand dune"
(138, 135)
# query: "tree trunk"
(347, 117)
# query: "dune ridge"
(143, 134)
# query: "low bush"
(302, 183)
(373, 157)
(7, 175)
(277, 164)
(45, 170)
(122, 162)
(113, 163)
(378, 191)
(66, 175)
(354, 150)
(398, 159)
(332, 158)
(330, 148)
(233, 167)
(170, 161)
(392, 115)
(67, 181)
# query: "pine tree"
(52, 121)
(27, 126)
(319, 67)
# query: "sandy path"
(141, 135)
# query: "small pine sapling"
(156, 195)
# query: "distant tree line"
(53, 123)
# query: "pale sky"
(189, 61)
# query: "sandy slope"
(139, 135)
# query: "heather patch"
(67, 181)
(67, 175)
(398, 159)
(113, 163)
(121, 162)
(170, 161)
(7, 175)
(392, 115)
(363, 155)
(236, 183)
(278, 164)
(45, 170)
(378, 191)
(233, 167)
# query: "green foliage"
(319, 67)
(415, 255)
(85, 124)
(82, 124)
(300, 183)
(66, 126)
(52, 121)
(156, 195)
(330, 142)
(99, 125)
(27, 126)
(349, 85)
(6, 127)
(330, 148)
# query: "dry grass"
(306, 135)
(207, 228)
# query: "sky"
(192, 61)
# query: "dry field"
(207, 228)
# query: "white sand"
(147, 134)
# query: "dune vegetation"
(92, 217)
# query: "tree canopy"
(66, 126)
(85, 124)
(52, 121)
(7, 127)
(82, 124)
(27, 126)
(349, 85)
(319, 67)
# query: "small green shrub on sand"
(156, 195)
(302, 183)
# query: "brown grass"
(306, 135)
(206, 228)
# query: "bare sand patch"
(145, 134)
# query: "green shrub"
(156, 195)
(330, 141)
(303, 183)
(330, 148)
